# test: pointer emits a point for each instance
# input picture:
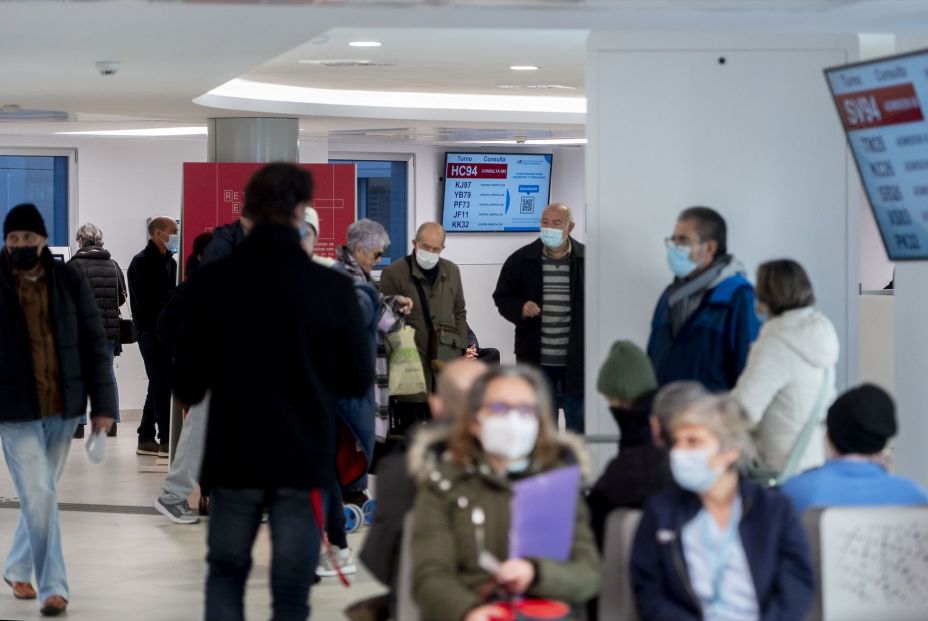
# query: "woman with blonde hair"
(462, 509)
(719, 548)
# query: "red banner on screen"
(214, 194)
(891, 105)
(477, 171)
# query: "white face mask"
(691, 469)
(426, 260)
(96, 447)
(509, 435)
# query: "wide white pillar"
(744, 124)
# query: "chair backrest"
(870, 562)
(617, 601)
(406, 608)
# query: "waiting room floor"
(126, 562)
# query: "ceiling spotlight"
(365, 43)
(524, 68)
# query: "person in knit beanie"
(860, 424)
(627, 381)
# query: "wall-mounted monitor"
(882, 107)
(495, 192)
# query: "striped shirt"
(555, 310)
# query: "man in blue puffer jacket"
(704, 322)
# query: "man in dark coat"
(152, 279)
(540, 290)
(276, 339)
(53, 354)
(109, 288)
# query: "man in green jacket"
(439, 316)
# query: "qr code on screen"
(528, 204)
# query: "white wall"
(122, 182)
(756, 138)
(479, 255)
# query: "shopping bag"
(406, 375)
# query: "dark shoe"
(163, 450)
(79, 432)
(356, 498)
(22, 590)
(147, 447)
(112, 432)
(54, 606)
(204, 506)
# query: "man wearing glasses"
(438, 315)
(704, 322)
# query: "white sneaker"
(345, 563)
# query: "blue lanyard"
(719, 560)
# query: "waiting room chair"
(870, 563)
(406, 607)
(617, 600)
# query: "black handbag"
(127, 333)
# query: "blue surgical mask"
(691, 469)
(173, 244)
(552, 238)
(678, 258)
(304, 230)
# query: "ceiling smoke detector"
(108, 67)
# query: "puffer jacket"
(447, 579)
(83, 358)
(107, 282)
(781, 383)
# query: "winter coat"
(152, 279)
(774, 544)
(275, 355)
(83, 358)
(107, 282)
(447, 579)
(780, 385)
(712, 346)
(521, 280)
(445, 301)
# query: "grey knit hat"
(627, 373)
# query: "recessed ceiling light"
(147, 132)
(365, 43)
(523, 68)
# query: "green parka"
(447, 580)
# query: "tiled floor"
(142, 567)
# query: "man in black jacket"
(152, 279)
(109, 289)
(52, 356)
(276, 339)
(540, 290)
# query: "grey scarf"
(685, 296)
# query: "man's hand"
(489, 612)
(403, 304)
(530, 309)
(101, 423)
(516, 575)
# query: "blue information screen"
(488, 192)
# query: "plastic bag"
(406, 374)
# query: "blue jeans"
(111, 347)
(35, 453)
(234, 518)
(572, 402)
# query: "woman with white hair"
(109, 289)
(719, 548)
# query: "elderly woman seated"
(720, 548)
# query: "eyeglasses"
(682, 241)
(500, 408)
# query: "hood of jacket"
(808, 332)
(93, 252)
(429, 449)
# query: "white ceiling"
(173, 52)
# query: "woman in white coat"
(789, 375)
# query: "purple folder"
(544, 508)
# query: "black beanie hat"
(24, 217)
(862, 420)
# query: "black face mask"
(25, 257)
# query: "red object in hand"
(534, 610)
